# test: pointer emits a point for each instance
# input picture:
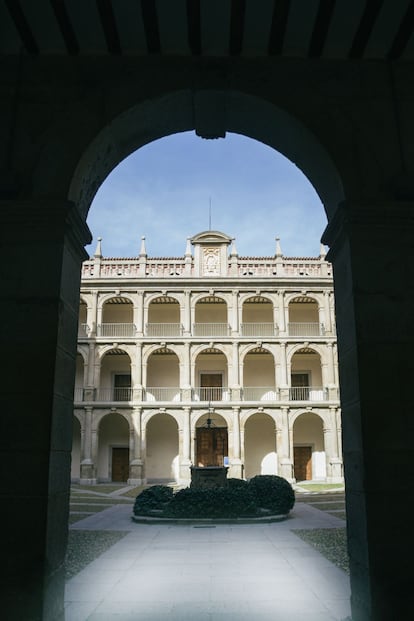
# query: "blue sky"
(164, 190)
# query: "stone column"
(185, 458)
(87, 466)
(285, 447)
(135, 464)
(186, 313)
(282, 317)
(235, 313)
(41, 250)
(328, 318)
(375, 308)
(91, 318)
(236, 467)
(138, 317)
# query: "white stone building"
(206, 359)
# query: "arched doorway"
(162, 449)
(113, 451)
(309, 459)
(211, 441)
(260, 456)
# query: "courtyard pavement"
(209, 573)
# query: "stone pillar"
(186, 313)
(236, 467)
(328, 318)
(138, 317)
(87, 466)
(185, 458)
(41, 251)
(91, 318)
(282, 317)
(285, 447)
(235, 313)
(135, 464)
(372, 252)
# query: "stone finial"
(188, 247)
(233, 252)
(278, 248)
(98, 251)
(143, 251)
(322, 251)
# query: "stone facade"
(209, 359)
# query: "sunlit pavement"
(216, 573)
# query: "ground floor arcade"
(138, 445)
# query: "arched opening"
(260, 456)
(115, 377)
(211, 441)
(211, 376)
(117, 318)
(309, 461)
(162, 450)
(210, 317)
(304, 317)
(257, 317)
(259, 375)
(76, 451)
(163, 376)
(163, 317)
(113, 451)
(306, 376)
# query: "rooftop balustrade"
(179, 267)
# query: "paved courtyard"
(215, 573)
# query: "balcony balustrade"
(206, 394)
(162, 393)
(258, 329)
(308, 393)
(83, 330)
(114, 394)
(163, 329)
(211, 329)
(305, 329)
(260, 393)
(116, 329)
(213, 393)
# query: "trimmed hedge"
(263, 494)
(272, 493)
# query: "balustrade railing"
(305, 329)
(213, 393)
(211, 329)
(114, 394)
(162, 393)
(178, 266)
(163, 329)
(116, 329)
(83, 330)
(307, 393)
(78, 395)
(260, 393)
(258, 329)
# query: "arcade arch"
(162, 449)
(211, 440)
(117, 317)
(260, 450)
(259, 383)
(211, 375)
(211, 317)
(115, 376)
(113, 448)
(163, 375)
(163, 317)
(309, 458)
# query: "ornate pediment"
(211, 237)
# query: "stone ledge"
(143, 519)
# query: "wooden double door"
(211, 446)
